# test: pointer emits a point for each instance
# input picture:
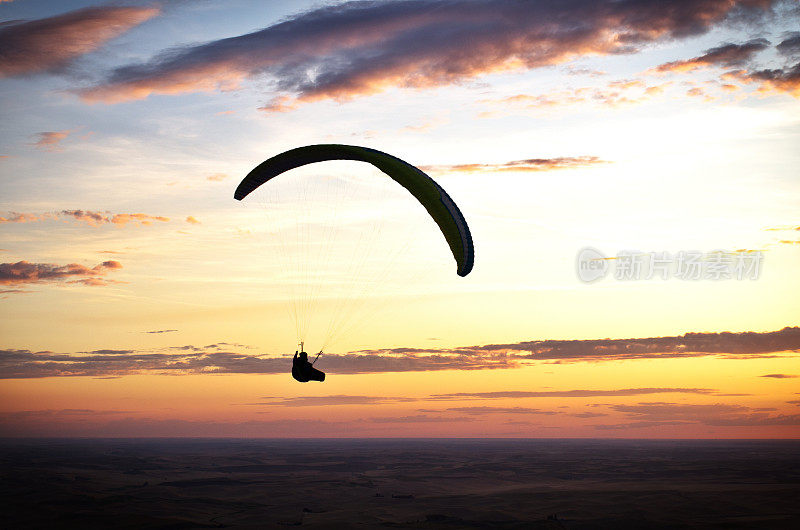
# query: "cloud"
(790, 46)
(92, 218)
(58, 413)
(131, 424)
(784, 80)
(191, 220)
(162, 331)
(339, 399)
(639, 425)
(717, 414)
(121, 219)
(613, 94)
(358, 48)
(789, 242)
(217, 177)
(225, 358)
(779, 228)
(50, 44)
(50, 140)
(23, 272)
(15, 217)
(724, 55)
(420, 418)
(12, 291)
(589, 414)
(530, 164)
(743, 344)
(220, 359)
(479, 411)
(516, 394)
(779, 376)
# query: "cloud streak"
(724, 55)
(530, 164)
(579, 393)
(339, 399)
(23, 272)
(225, 358)
(50, 44)
(51, 140)
(92, 218)
(360, 48)
(744, 344)
(715, 415)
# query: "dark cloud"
(111, 352)
(779, 376)
(790, 46)
(725, 55)
(49, 44)
(23, 272)
(530, 164)
(162, 331)
(357, 48)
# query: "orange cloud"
(23, 272)
(771, 81)
(356, 48)
(613, 94)
(531, 164)
(217, 177)
(49, 44)
(50, 140)
(25, 218)
(121, 219)
(192, 220)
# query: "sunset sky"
(138, 298)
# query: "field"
(415, 483)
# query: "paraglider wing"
(435, 200)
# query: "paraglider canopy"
(435, 200)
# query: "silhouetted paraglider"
(303, 370)
(430, 195)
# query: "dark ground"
(435, 484)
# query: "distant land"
(400, 483)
